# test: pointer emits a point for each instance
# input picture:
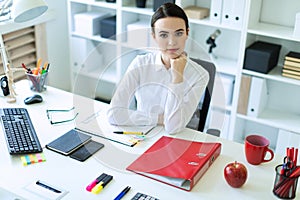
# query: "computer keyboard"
(142, 196)
(19, 132)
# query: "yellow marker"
(97, 188)
(128, 132)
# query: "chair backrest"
(199, 119)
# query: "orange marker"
(38, 65)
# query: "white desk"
(74, 176)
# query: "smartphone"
(86, 151)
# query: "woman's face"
(170, 35)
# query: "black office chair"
(199, 118)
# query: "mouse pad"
(86, 151)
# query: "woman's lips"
(172, 50)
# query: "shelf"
(207, 22)
(96, 38)
(136, 10)
(103, 4)
(274, 74)
(275, 31)
(276, 119)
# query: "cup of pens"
(285, 186)
(286, 178)
(37, 77)
(37, 82)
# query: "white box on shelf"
(138, 33)
(297, 26)
(88, 23)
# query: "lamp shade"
(25, 10)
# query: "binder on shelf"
(258, 96)
(296, 73)
(291, 75)
(297, 69)
(176, 162)
(233, 13)
(216, 11)
(244, 94)
(293, 56)
(292, 63)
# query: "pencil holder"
(284, 186)
(37, 83)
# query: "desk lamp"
(21, 11)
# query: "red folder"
(177, 162)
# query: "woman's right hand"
(177, 68)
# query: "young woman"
(165, 84)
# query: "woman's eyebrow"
(178, 30)
(163, 32)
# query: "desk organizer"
(285, 186)
(37, 83)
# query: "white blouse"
(147, 82)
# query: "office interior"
(258, 99)
(66, 47)
(260, 20)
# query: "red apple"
(235, 174)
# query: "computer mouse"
(33, 99)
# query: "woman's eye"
(178, 34)
(163, 35)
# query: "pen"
(128, 132)
(47, 187)
(122, 194)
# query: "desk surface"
(74, 176)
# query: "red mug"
(256, 148)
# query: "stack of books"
(291, 67)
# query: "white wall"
(58, 46)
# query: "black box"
(108, 27)
(261, 56)
(158, 3)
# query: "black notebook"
(69, 142)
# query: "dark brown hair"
(169, 10)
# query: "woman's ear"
(187, 31)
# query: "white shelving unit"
(258, 22)
(282, 111)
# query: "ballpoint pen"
(128, 132)
(122, 194)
